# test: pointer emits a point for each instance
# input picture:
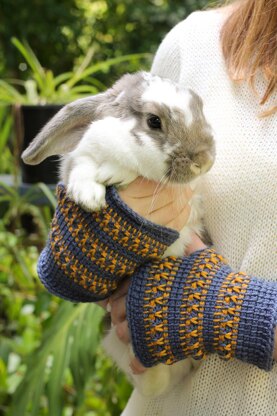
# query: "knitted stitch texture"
(88, 253)
(192, 306)
(239, 201)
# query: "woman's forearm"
(118, 315)
(197, 244)
(220, 311)
(88, 253)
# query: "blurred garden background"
(52, 52)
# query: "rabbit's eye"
(154, 122)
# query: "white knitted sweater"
(240, 204)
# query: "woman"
(208, 52)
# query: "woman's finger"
(118, 310)
(121, 290)
(159, 196)
(180, 220)
(195, 245)
(122, 331)
(137, 367)
(103, 303)
(140, 187)
(159, 203)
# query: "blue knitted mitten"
(88, 253)
(192, 306)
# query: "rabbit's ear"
(64, 131)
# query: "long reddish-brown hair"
(249, 44)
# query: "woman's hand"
(195, 245)
(164, 205)
(117, 307)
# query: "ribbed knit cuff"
(88, 253)
(189, 307)
(257, 316)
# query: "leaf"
(60, 362)
(48, 193)
(104, 66)
(62, 78)
(26, 276)
(86, 61)
(9, 95)
(3, 375)
(32, 60)
(10, 190)
(70, 341)
(98, 84)
(88, 89)
(5, 130)
(49, 85)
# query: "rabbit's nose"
(207, 166)
(195, 168)
(187, 162)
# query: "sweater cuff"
(240, 317)
(164, 235)
(88, 253)
(191, 306)
(59, 284)
(258, 319)
(129, 218)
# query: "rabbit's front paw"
(90, 195)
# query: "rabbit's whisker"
(160, 186)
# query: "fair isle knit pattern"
(88, 253)
(196, 305)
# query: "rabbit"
(143, 125)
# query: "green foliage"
(51, 27)
(68, 343)
(6, 124)
(17, 209)
(61, 33)
(44, 88)
(118, 27)
(51, 362)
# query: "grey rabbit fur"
(142, 126)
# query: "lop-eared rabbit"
(142, 126)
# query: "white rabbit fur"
(108, 140)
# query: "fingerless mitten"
(88, 253)
(192, 306)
